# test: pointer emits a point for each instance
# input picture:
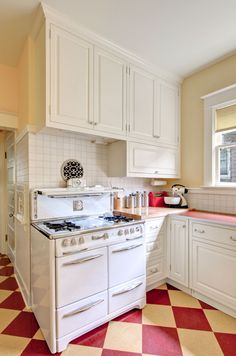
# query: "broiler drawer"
(77, 315)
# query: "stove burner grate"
(118, 218)
(63, 226)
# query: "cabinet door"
(71, 79)
(143, 114)
(213, 272)
(109, 92)
(179, 251)
(152, 161)
(169, 113)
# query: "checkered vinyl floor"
(172, 324)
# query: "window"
(220, 138)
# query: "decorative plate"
(71, 169)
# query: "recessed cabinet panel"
(213, 272)
(109, 92)
(71, 79)
(143, 104)
(153, 160)
(179, 251)
(169, 113)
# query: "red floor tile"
(4, 261)
(37, 348)
(24, 325)
(205, 305)
(6, 271)
(94, 338)
(9, 284)
(191, 318)
(107, 352)
(133, 316)
(227, 343)
(158, 296)
(161, 341)
(170, 287)
(14, 301)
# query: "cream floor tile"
(12, 345)
(163, 286)
(199, 343)
(38, 335)
(4, 294)
(2, 278)
(75, 350)
(221, 322)
(161, 315)
(124, 337)
(181, 299)
(6, 317)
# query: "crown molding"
(8, 120)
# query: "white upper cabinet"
(109, 92)
(169, 113)
(71, 89)
(143, 114)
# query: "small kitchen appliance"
(177, 200)
(87, 265)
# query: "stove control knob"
(73, 241)
(126, 231)
(137, 228)
(131, 230)
(66, 243)
(120, 232)
(81, 240)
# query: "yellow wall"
(217, 76)
(25, 84)
(8, 89)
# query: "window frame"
(212, 102)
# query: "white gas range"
(87, 266)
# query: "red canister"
(156, 199)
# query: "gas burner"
(118, 219)
(62, 226)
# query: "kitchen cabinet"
(144, 119)
(179, 257)
(71, 88)
(155, 233)
(85, 84)
(133, 159)
(213, 262)
(110, 80)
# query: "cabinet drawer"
(78, 315)
(126, 262)
(214, 233)
(80, 275)
(155, 271)
(154, 226)
(156, 246)
(125, 294)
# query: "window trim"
(212, 102)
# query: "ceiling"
(181, 36)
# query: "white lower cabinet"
(155, 236)
(213, 263)
(179, 264)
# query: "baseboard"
(24, 291)
(11, 255)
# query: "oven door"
(80, 275)
(126, 261)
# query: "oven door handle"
(82, 260)
(127, 248)
(126, 290)
(134, 238)
(84, 308)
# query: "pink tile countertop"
(226, 219)
(152, 213)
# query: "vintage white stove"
(88, 266)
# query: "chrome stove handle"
(84, 308)
(134, 238)
(126, 290)
(127, 248)
(82, 260)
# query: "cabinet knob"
(232, 238)
(184, 226)
(156, 172)
(200, 231)
(154, 270)
(91, 122)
